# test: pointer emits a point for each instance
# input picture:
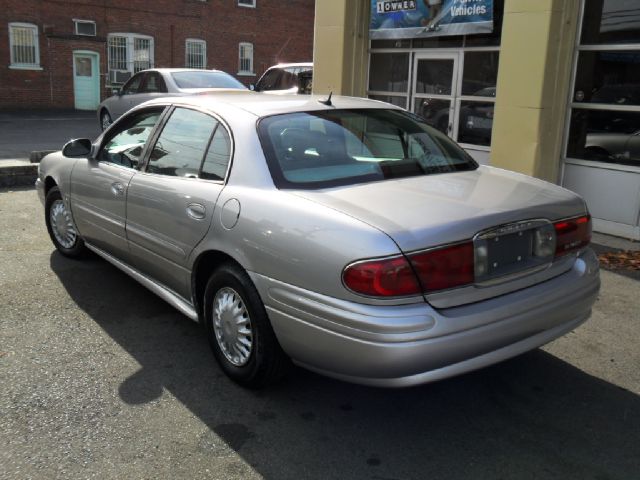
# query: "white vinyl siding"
(195, 53)
(23, 45)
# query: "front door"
(99, 185)
(86, 80)
(434, 89)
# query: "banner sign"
(429, 18)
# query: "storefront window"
(604, 122)
(480, 74)
(389, 72)
(608, 77)
(605, 136)
(475, 122)
(611, 21)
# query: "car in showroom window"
(343, 235)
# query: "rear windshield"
(328, 148)
(205, 79)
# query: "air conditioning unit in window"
(117, 77)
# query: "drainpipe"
(172, 31)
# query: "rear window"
(205, 79)
(308, 150)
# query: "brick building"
(45, 44)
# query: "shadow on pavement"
(532, 417)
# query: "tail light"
(456, 265)
(446, 267)
(572, 234)
(388, 277)
(436, 269)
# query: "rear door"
(99, 185)
(171, 203)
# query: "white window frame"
(247, 5)
(195, 41)
(36, 42)
(77, 21)
(241, 46)
(130, 39)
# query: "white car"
(163, 82)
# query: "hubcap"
(232, 326)
(61, 224)
(106, 121)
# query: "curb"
(18, 175)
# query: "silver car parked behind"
(342, 234)
(162, 82)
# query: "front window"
(343, 147)
(246, 58)
(23, 42)
(205, 80)
(125, 145)
(196, 53)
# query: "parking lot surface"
(102, 379)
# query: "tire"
(105, 119)
(233, 312)
(60, 226)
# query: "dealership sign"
(428, 18)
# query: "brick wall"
(281, 31)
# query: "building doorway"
(86, 80)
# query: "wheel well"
(206, 263)
(49, 183)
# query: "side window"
(217, 159)
(181, 146)
(153, 83)
(126, 146)
(133, 84)
(270, 80)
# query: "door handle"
(196, 211)
(117, 189)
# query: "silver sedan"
(343, 235)
(162, 82)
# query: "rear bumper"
(397, 346)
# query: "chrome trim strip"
(172, 298)
(135, 230)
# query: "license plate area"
(513, 250)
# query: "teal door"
(86, 80)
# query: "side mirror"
(252, 87)
(78, 148)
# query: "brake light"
(446, 267)
(388, 277)
(572, 234)
(423, 272)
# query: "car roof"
(286, 65)
(173, 70)
(261, 105)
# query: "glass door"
(434, 88)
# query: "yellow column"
(534, 78)
(340, 47)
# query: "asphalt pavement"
(102, 379)
(22, 132)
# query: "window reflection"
(398, 101)
(608, 77)
(605, 136)
(389, 72)
(435, 112)
(611, 21)
(475, 122)
(480, 73)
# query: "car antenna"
(327, 101)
